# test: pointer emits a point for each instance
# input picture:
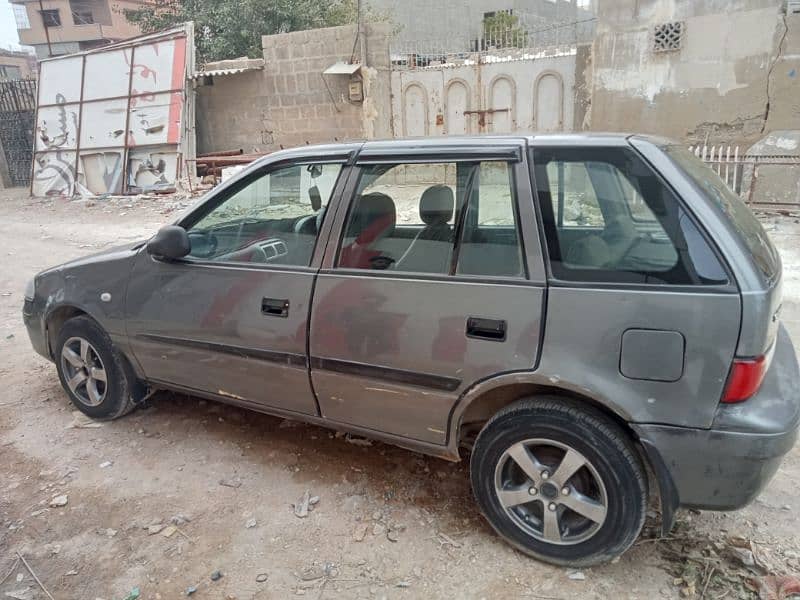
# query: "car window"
(415, 218)
(740, 216)
(641, 234)
(490, 244)
(271, 218)
(574, 201)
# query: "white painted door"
(456, 105)
(502, 107)
(415, 110)
(548, 101)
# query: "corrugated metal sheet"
(341, 68)
(221, 72)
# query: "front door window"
(271, 218)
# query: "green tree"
(233, 28)
(502, 30)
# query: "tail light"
(747, 375)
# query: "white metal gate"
(486, 93)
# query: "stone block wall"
(290, 103)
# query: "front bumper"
(34, 323)
(727, 466)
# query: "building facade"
(16, 65)
(56, 27)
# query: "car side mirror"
(171, 242)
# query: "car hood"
(115, 253)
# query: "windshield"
(741, 217)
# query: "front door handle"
(486, 329)
(275, 307)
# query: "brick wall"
(287, 104)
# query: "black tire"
(117, 399)
(610, 454)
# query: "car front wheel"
(559, 481)
(91, 370)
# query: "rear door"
(433, 280)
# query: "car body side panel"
(79, 284)
(201, 326)
(583, 338)
(761, 300)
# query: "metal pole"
(362, 38)
(46, 30)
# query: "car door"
(433, 281)
(231, 318)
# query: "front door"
(434, 287)
(231, 318)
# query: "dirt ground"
(163, 498)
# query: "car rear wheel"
(559, 481)
(91, 370)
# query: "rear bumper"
(726, 467)
(715, 470)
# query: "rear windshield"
(741, 217)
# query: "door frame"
(512, 150)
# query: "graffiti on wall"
(113, 120)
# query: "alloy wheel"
(83, 371)
(551, 491)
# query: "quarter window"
(609, 218)
(435, 218)
(270, 218)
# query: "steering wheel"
(381, 262)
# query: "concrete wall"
(287, 103)
(716, 85)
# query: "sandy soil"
(388, 523)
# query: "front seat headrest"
(436, 205)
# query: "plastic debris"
(301, 507)
(59, 501)
(134, 594)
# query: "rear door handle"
(275, 307)
(486, 329)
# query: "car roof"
(394, 147)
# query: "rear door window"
(608, 218)
(454, 218)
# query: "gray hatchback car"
(588, 317)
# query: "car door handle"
(486, 329)
(275, 307)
